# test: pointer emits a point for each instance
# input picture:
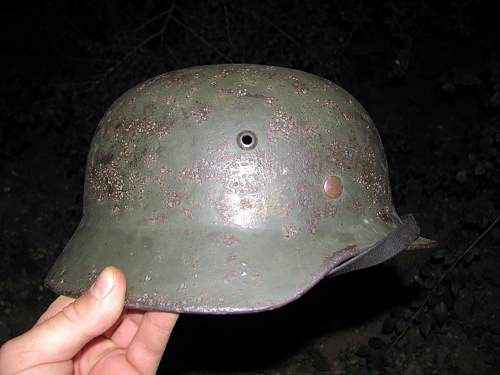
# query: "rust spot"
(92, 275)
(356, 117)
(243, 93)
(356, 204)
(233, 269)
(283, 126)
(245, 204)
(333, 186)
(112, 176)
(173, 199)
(385, 216)
(299, 87)
(200, 115)
(169, 100)
(190, 93)
(344, 155)
(159, 219)
(289, 232)
(349, 248)
(329, 263)
(108, 183)
(106, 159)
(182, 288)
(150, 159)
(268, 100)
(245, 174)
(373, 182)
(332, 106)
(230, 240)
(320, 213)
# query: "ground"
(428, 75)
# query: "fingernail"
(103, 285)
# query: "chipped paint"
(282, 126)
(173, 199)
(319, 213)
(244, 93)
(158, 219)
(298, 86)
(387, 216)
(289, 231)
(201, 115)
(230, 240)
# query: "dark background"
(428, 72)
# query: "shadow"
(255, 342)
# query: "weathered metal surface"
(228, 188)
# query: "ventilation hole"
(247, 140)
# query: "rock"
(376, 342)
(388, 325)
(319, 361)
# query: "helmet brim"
(227, 276)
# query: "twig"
(173, 55)
(280, 30)
(201, 39)
(226, 21)
(130, 53)
(167, 21)
(150, 20)
(261, 17)
(440, 281)
(141, 44)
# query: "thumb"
(62, 336)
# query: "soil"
(429, 77)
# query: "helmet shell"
(228, 188)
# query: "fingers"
(60, 303)
(61, 336)
(116, 340)
(126, 330)
(147, 347)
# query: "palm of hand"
(134, 345)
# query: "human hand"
(91, 335)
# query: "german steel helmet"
(231, 189)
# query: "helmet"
(230, 189)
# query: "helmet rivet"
(333, 186)
(247, 140)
